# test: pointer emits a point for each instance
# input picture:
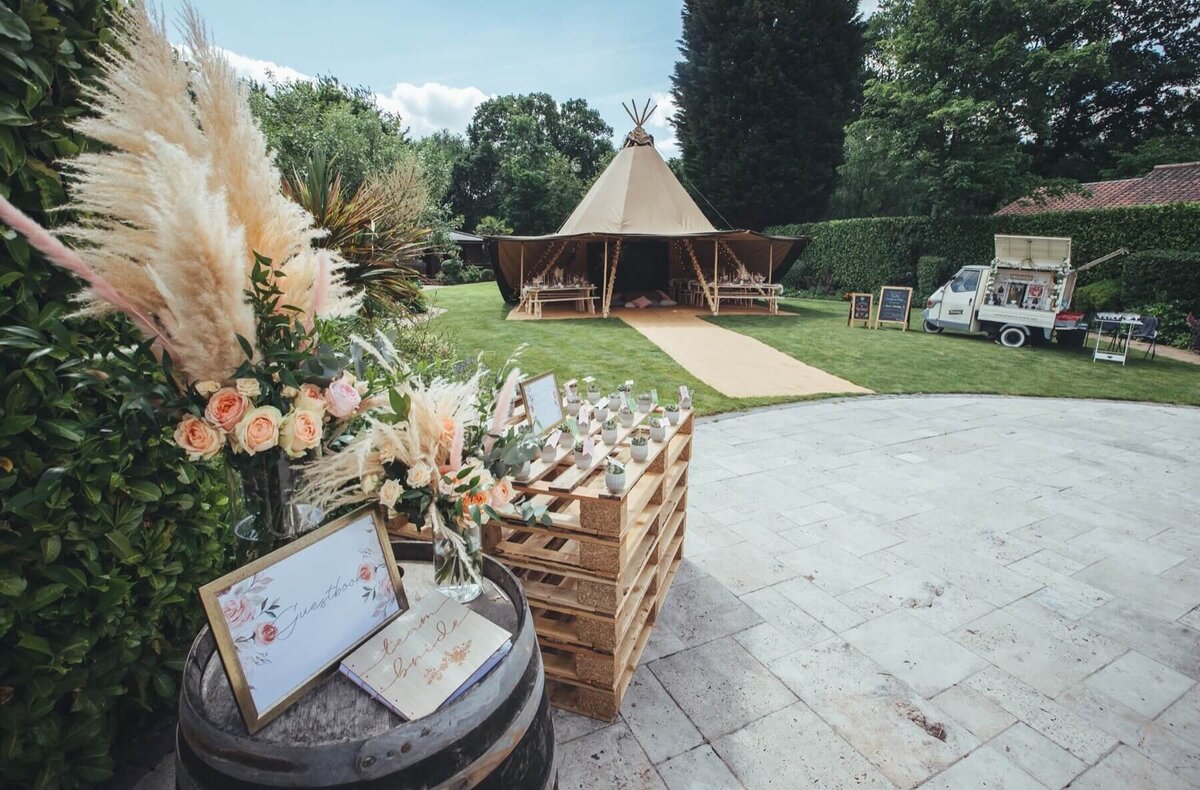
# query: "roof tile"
(1178, 183)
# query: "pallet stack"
(597, 576)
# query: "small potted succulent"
(573, 403)
(672, 412)
(644, 402)
(614, 401)
(525, 471)
(608, 431)
(658, 430)
(639, 447)
(566, 439)
(593, 389)
(625, 415)
(685, 398)
(582, 459)
(601, 412)
(614, 476)
(548, 451)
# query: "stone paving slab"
(944, 592)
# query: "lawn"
(885, 360)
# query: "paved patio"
(946, 592)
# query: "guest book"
(427, 656)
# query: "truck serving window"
(965, 281)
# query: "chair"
(1148, 332)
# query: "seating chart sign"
(894, 301)
(860, 308)
(543, 406)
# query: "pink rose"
(300, 432)
(264, 633)
(341, 398)
(258, 431)
(226, 408)
(198, 439)
(365, 572)
(310, 398)
(237, 610)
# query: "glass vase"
(458, 559)
(261, 500)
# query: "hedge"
(862, 254)
(106, 531)
(932, 272)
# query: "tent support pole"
(612, 277)
(604, 284)
(716, 259)
(712, 305)
(521, 282)
(770, 261)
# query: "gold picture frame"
(540, 394)
(227, 618)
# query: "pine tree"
(763, 92)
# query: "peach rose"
(226, 408)
(389, 492)
(264, 633)
(310, 398)
(198, 439)
(502, 493)
(419, 476)
(365, 572)
(341, 398)
(237, 610)
(258, 431)
(300, 432)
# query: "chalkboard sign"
(860, 308)
(893, 305)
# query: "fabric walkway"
(733, 364)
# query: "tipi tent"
(637, 229)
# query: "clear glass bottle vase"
(458, 559)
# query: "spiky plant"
(377, 229)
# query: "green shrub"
(106, 531)
(932, 272)
(856, 254)
(454, 272)
(1100, 295)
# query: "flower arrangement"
(438, 452)
(183, 230)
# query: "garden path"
(729, 362)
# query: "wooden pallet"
(597, 576)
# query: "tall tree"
(764, 91)
(529, 160)
(984, 100)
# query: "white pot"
(626, 419)
(601, 414)
(614, 483)
(573, 408)
(644, 405)
(609, 437)
(548, 454)
(594, 396)
(673, 417)
(526, 470)
(639, 452)
(566, 440)
(583, 461)
(657, 433)
(614, 402)
(685, 403)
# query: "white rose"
(420, 476)
(389, 492)
(249, 387)
(206, 388)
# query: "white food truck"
(1022, 297)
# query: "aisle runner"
(733, 364)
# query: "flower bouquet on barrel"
(439, 452)
(180, 226)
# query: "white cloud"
(423, 108)
(432, 106)
(659, 124)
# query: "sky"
(434, 62)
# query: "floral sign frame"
(281, 621)
(543, 404)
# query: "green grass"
(606, 348)
(884, 360)
(893, 361)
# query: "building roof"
(1178, 183)
(462, 237)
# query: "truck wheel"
(931, 327)
(1013, 337)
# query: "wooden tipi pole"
(612, 276)
(712, 305)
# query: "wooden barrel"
(498, 735)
